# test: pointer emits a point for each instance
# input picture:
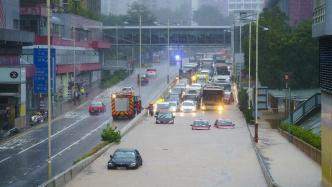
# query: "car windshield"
(165, 115)
(123, 154)
(201, 122)
(224, 122)
(172, 104)
(188, 104)
(162, 106)
(96, 103)
(192, 92)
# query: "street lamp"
(140, 53)
(49, 158)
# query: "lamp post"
(140, 53)
(168, 61)
(256, 88)
(117, 45)
(49, 160)
(249, 60)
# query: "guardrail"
(304, 109)
(66, 176)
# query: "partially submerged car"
(224, 124)
(125, 158)
(165, 118)
(200, 125)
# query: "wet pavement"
(23, 160)
(175, 155)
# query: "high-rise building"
(222, 5)
(77, 52)
(295, 10)
(235, 6)
(322, 29)
(13, 74)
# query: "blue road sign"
(41, 67)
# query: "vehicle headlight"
(158, 121)
(110, 163)
(220, 108)
(133, 164)
(203, 108)
(171, 121)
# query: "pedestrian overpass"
(214, 36)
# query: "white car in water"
(188, 106)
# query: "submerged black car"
(165, 118)
(125, 158)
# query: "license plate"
(121, 168)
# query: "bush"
(110, 135)
(243, 105)
(303, 134)
(243, 100)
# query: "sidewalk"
(288, 166)
(62, 108)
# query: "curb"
(267, 175)
(67, 175)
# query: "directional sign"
(41, 70)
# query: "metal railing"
(304, 109)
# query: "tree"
(209, 15)
(135, 11)
(284, 49)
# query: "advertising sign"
(41, 74)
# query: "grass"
(92, 151)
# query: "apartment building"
(322, 29)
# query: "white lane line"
(44, 140)
(81, 139)
(5, 159)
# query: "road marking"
(73, 124)
(81, 139)
(5, 159)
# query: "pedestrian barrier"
(66, 176)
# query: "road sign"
(41, 70)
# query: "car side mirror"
(111, 156)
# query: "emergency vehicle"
(125, 104)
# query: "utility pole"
(256, 89)
(140, 53)
(49, 160)
(168, 52)
(249, 77)
(117, 45)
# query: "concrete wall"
(326, 135)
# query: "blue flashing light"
(177, 57)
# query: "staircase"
(304, 109)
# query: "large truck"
(125, 104)
(221, 69)
(212, 98)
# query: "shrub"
(303, 134)
(243, 100)
(243, 105)
(111, 135)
